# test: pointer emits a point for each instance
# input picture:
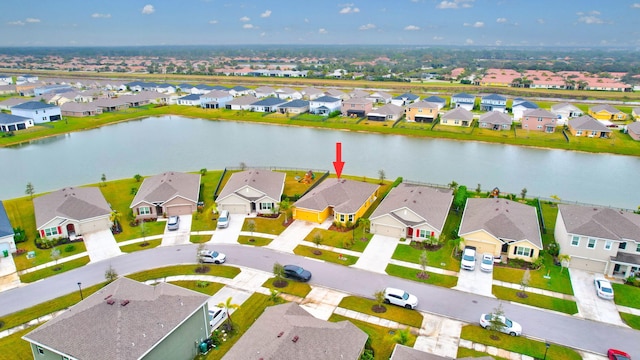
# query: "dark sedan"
(297, 273)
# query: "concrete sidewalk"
(294, 234)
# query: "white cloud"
(263, 34)
(438, 38)
(306, 20)
(32, 20)
(455, 4)
(411, 28)
(266, 14)
(16, 23)
(247, 26)
(322, 31)
(498, 42)
(477, 24)
(468, 42)
(148, 9)
(540, 21)
(367, 27)
(100, 16)
(590, 19)
(213, 22)
(348, 9)
(501, 20)
(245, 19)
(635, 5)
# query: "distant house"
(356, 107)
(51, 89)
(636, 113)
(565, 111)
(405, 99)
(493, 102)
(357, 93)
(241, 91)
(288, 94)
(539, 120)
(265, 91)
(170, 193)
(324, 105)
(186, 88)
(606, 112)
(463, 100)
(588, 127)
(389, 112)
(311, 93)
(6, 79)
(422, 111)
(599, 239)
(294, 107)
(495, 121)
(289, 332)
(252, 191)
(522, 106)
(22, 79)
(343, 201)
(215, 99)
(79, 109)
(241, 103)
(202, 89)
(71, 212)
(10, 122)
(633, 130)
(126, 320)
(38, 111)
(501, 227)
(166, 88)
(337, 94)
(269, 104)
(457, 117)
(7, 242)
(412, 212)
(436, 100)
(380, 97)
(111, 104)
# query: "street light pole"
(80, 287)
(547, 345)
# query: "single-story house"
(636, 113)
(288, 94)
(11, 102)
(463, 100)
(357, 93)
(344, 200)
(241, 102)
(289, 332)
(170, 193)
(337, 94)
(241, 91)
(389, 112)
(215, 99)
(38, 111)
(589, 127)
(493, 102)
(10, 122)
(495, 120)
(422, 111)
(6, 79)
(607, 112)
(7, 242)
(311, 93)
(294, 107)
(79, 109)
(126, 320)
(599, 239)
(633, 130)
(324, 105)
(412, 211)
(565, 111)
(405, 99)
(501, 227)
(436, 100)
(265, 91)
(269, 104)
(380, 97)
(539, 120)
(252, 191)
(519, 109)
(71, 212)
(356, 107)
(457, 117)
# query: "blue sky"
(229, 22)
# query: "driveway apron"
(377, 254)
(475, 282)
(101, 245)
(229, 235)
(294, 234)
(590, 306)
(180, 236)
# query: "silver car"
(173, 223)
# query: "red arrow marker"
(338, 164)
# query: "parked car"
(209, 256)
(468, 258)
(223, 219)
(604, 289)
(400, 297)
(216, 316)
(173, 223)
(486, 264)
(510, 327)
(614, 354)
(297, 273)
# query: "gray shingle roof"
(431, 204)
(270, 101)
(272, 333)
(408, 96)
(494, 97)
(326, 98)
(435, 99)
(605, 107)
(600, 222)
(564, 106)
(495, 118)
(5, 225)
(586, 122)
(33, 105)
(160, 188)
(268, 182)
(458, 114)
(527, 104)
(464, 96)
(634, 127)
(243, 100)
(93, 329)
(539, 113)
(12, 119)
(357, 100)
(423, 104)
(70, 203)
(388, 109)
(504, 219)
(295, 104)
(345, 196)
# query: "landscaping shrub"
(69, 248)
(20, 235)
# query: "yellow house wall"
(311, 215)
(483, 242)
(412, 112)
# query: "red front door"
(409, 232)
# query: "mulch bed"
(202, 269)
(379, 309)
(280, 283)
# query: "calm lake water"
(154, 145)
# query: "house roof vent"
(124, 302)
(111, 301)
(281, 333)
(295, 338)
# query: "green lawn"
(412, 274)
(295, 288)
(520, 345)
(199, 239)
(626, 295)
(265, 225)
(16, 348)
(469, 353)
(140, 246)
(631, 320)
(559, 280)
(395, 313)
(49, 271)
(257, 241)
(341, 240)
(326, 255)
(214, 270)
(204, 287)
(204, 220)
(537, 300)
(442, 258)
(43, 256)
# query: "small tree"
(317, 239)
(496, 323)
(424, 261)
(478, 189)
(523, 193)
(402, 336)
(274, 296)
(243, 166)
(228, 305)
(201, 266)
(381, 175)
(30, 190)
(379, 305)
(55, 256)
(203, 171)
(103, 180)
(524, 283)
(364, 223)
(138, 177)
(110, 274)
(284, 207)
(251, 226)
(457, 241)
(565, 260)
(278, 272)
(453, 185)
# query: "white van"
(223, 219)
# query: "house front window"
(351, 218)
(575, 241)
(524, 251)
(51, 231)
(579, 132)
(266, 206)
(40, 350)
(341, 217)
(591, 244)
(144, 210)
(638, 248)
(608, 245)
(622, 246)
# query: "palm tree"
(228, 305)
(284, 206)
(365, 223)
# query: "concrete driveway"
(101, 245)
(180, 236)
(590, 306)
(229, 235)
(475, 282)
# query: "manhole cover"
(474, 301)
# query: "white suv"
(468, 258)
(400, 297)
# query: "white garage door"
(233, 208)
(387, 230)
(587, 265)
(179, 210)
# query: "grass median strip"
(214, 270)
(51, 270)
(537, 300)
(412, 274)
(627, 295)
(204, 287)
(254, 240)
(325, 255)
(631, 320)
(143, 245)
(293, 287)
(393, 313)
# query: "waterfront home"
(493, 102)
(215, 99)
(405, 99)
(463, 100)
(565, 111)
(241, 102)
(10, 122)
(633, 130)
(457, 117)
(495, 121)
(324, 105)
(588, 127)
(252, 191)
(389, 112)
(167, 194)
(38, 111)
(356, 107)
(7, 242)
(607, 112)
(269, 104)
(522, 106)
(539, 120)
(422, 111)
